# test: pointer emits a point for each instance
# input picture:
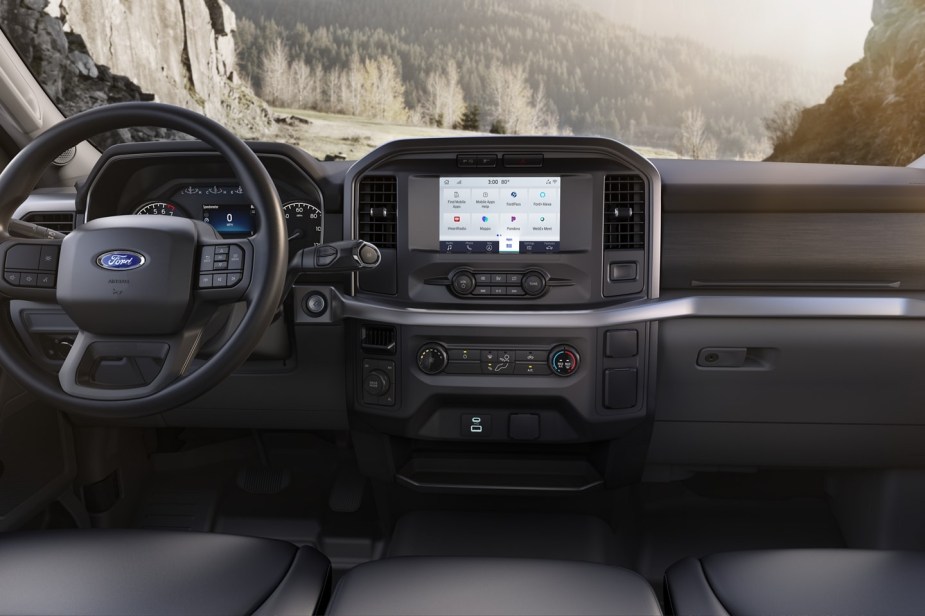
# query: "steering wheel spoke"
(115, 368)
(30, 269)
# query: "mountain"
(600, 77)
(174, 51)
(877, 116)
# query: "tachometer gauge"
(158, 208)
(304, 222)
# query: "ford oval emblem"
(120, 260)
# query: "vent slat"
(62, 222)
(378, 339)
(624, 212)
(376, 209)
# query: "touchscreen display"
(514, 215)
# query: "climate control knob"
(563, 360)
(432, 358)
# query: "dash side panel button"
(622, 271)
(524, 427)
(620, 388)
(621, 343)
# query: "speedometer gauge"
(304, 222)
(158, 208)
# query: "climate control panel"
(436, 358)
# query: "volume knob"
(432, 358)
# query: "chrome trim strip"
(345, 306)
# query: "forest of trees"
(531, 66)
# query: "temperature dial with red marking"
(563, 360)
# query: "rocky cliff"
(91, 52)
(877, 116)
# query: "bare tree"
(444, 103)
(383, 91)
(515, 106)
(509, 96)
(274, 77)
(693, 140)
(306, 86)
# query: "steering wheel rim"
(269, 254)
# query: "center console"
(487, 322)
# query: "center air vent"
(62, 222)
(378, 339)
(624, 212)
(376, 208)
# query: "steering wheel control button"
(432, 358)
(28, 279)
(48, 258)
(524, 426)
(207, 259)
(463, 283)
(225, 258)
(378, 384)
(563, 360)
(45, 281)
(12, 278)
(23, 257)
(235, 258)
(475, 426)
(534, 284)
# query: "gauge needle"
(296, 234)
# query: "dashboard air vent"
(378, 339)
(376, 210)
(624, 212)
(62, 222)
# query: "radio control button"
(534, 283)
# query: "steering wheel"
(141, 289)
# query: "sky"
(824, 36)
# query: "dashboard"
(560, 309)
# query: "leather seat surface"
(804, 582)
(417, 585)
(133, 572)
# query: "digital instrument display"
(513, 215)
(231, 219)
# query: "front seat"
(476, 586)
(133, 572)
(806, 582)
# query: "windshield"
(783, 80)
